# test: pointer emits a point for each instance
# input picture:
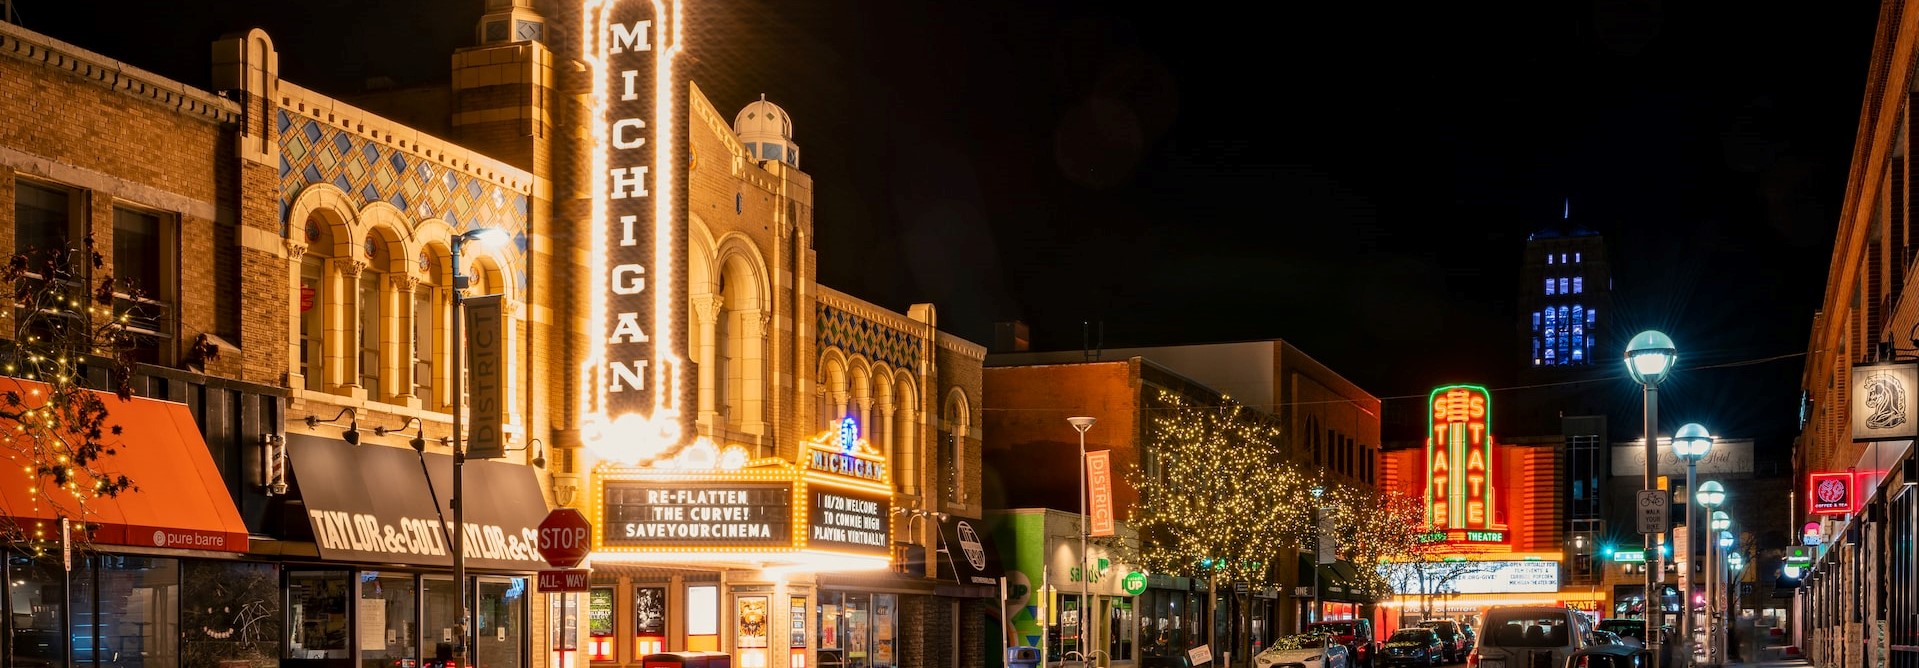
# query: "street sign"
(1653, 508)
(570, 580)
(565, 538)
(1629, 556)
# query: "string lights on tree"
(64, 335)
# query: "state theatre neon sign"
(1460, 502)
(634, 379)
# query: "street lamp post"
(1649, 359)
(1691, 443)
(1717, 530)
(1725, 543)
(485, 237)
(1081, 424)
(1313, 615)
(1709, 496)
(1735, 562)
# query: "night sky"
(1355, 179)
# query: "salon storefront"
(368, 570)
(1042, 551)
(152, 577)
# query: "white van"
(1529, 636)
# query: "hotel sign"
(1459, 461)
(719, 515)
(637, 99)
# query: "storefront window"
(317, 614)
(388, 603)
(138, 619)
(703, 618)
(229, 611)
(1120, 644)
(859, 630)
(502, 622)
(442, 608)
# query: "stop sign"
(565, 538)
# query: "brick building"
(1325, 423)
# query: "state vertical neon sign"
(634, 378)
(1459, 459)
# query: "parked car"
(1458, 638)
(1355, 634)
(1307, 651)
(1607, 638)
(1608, 656)
(1529, 636)
(1413, 647)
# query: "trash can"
(1022, 657)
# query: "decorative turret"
(767, 132)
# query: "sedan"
(1414, 647)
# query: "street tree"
(1217, 498)
(70, 339)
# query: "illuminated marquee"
(843, 452)
(1459, 461)
(635, 386)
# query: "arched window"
(955, 418)
(432, 315)
(369, 305)
(312, 303)
(906, 436)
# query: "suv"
(1530, 636)
(1457, 638)
(1355, 634)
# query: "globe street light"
(1649, 360)
(1725, 541)
(1691, 443)
(1081, 424)
(1711, 495)
(484, 237)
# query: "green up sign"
(1134, 583)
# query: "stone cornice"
(36, 48)
(870, 312)
(375, 128)
(963, 347)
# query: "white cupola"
(767, 132)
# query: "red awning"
(178, 500)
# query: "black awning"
(1337, 580)
(372, 504)
(966, 553)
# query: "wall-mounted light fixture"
(419, 436)
(352, 434)
(539, 453)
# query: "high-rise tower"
(1565, 298)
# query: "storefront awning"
(178, 500)
(1337, 581)
(966, 553)
(372, 504)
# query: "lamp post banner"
(486, 373)
(1099, 489)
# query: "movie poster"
(649, 611)
(752, 622)
(829, 627)
(796, 614)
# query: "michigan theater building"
(568, 254)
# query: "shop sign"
(1830, 493)
(1799, 555)
(845, 521)
(715, 515)
(1134, 583)
(1882, 397)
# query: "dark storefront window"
(229, 611)
(1168, 619)
(138, 615)
(37, 616)
(442, 608)
(317, 614)
(501, 623)
(387, 606)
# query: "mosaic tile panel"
(313, 152)
(859, 336)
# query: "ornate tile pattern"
(859, 336)
(313, 152)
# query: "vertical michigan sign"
(635, 381)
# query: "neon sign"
(634, 376)
(1459, 459)
(1831, 493)
(843, 452)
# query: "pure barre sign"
(717, 515)
(638, 101)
